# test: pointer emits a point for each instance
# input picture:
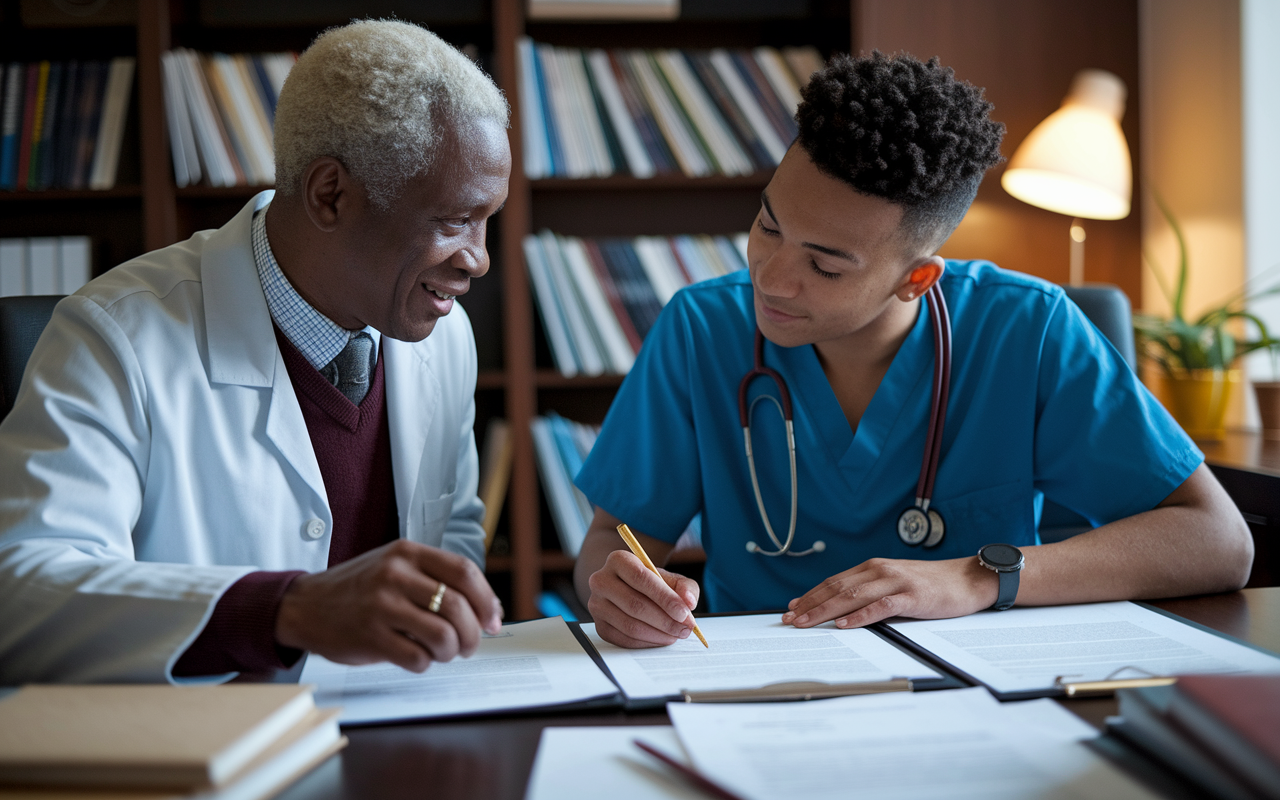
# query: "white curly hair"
(373, 94)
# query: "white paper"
(530, 664)
(901, 746)
(590, 763)
(1025, 649)
(755, 650)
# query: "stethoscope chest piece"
(919, 527)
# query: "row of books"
(1221, 733)
(233, 742)
(589, 113)
(220, 111)
(562, 446)
(598, 298)
(44, 265)
(62, 123)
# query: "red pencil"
(688, 773)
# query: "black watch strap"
(1008, 590)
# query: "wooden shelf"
(219, 192)
(491, 379)
(551, 379)
(630, 183)
(119, 192)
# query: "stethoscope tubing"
(940, 321)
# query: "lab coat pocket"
(1002, 513)
(435, 516)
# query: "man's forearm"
(1195, 542)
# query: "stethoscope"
(918, 524)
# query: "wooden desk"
(492, 758)
(1248, 466)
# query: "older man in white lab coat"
(258, 442)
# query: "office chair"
(22, 320)
(1107, 307)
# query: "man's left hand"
(881, 588)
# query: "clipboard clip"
(1108, 685)
(795, 690)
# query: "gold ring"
(437, 599)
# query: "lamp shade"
(1076, 161)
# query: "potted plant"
(1198, 356)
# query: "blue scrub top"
(1041, 404)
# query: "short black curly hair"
(904, 130)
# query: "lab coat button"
(314, 529)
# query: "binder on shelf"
(45, 265)
(495, 475)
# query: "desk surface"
(492, 758)
(1244, 450)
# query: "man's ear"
(920, 279)
(326, 192)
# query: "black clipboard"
(950, 678)
(933, 660)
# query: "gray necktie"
(350, 370)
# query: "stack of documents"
(1017, 654)
(952, 744)
(243, 741)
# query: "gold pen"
(1100, 688)
(634, 544)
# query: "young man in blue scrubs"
(889, 157)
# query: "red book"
(1237, 719)
(28, 125)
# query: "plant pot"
(1199, 400)
(1268, 394)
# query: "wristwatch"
(1006, 561)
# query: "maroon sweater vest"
(353, 447)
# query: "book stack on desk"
(1221, 732)
(242, 742)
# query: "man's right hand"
(373, 608)
(632, 607)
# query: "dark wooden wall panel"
(1024, 53)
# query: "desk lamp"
(1076, 161)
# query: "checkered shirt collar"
(317, 337)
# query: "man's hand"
(374, 608)
(632, 607)
(881, 588)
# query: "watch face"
(1001, 555)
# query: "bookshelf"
(517, 379)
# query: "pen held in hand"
(688, 773)
(634, 544)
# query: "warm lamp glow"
(1076, 161)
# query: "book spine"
(533, 126)
(615, 346)
(549, 306)
(637, 293)
(588, 122)
(651, 136)
(11, 125)
(249, 107)
(173, 112)
(215, 159)
(706, 120)
(111, 130)
(87, 129)
(262, 88)
(555, 483)
(779, 77)
(758, 85)
(746, 135)
(43, 159)
(693, 162)
(617, 159)
(229, 112)
(612, 294)
(65, 129)
(559, 126)
(623, 125)
(35, 128)
(585, 342)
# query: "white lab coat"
(157, 453)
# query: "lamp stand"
(1075, 277)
